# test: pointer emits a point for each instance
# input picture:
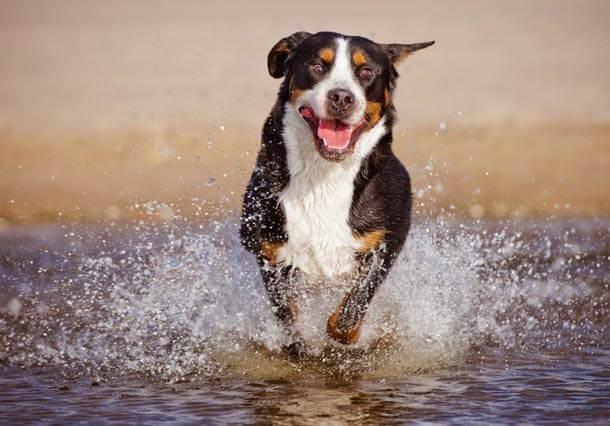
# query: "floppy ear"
(277, 60)
(398, 52)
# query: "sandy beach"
(106, 106)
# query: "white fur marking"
(341, 76)
(318, 199)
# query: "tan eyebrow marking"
(358, 58)
(327, 55)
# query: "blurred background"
(108, 105)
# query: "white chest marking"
(318, 197)
(317, 201)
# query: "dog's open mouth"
(334, 139)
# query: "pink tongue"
(334, 134)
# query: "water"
(478, 321)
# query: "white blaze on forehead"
(341, 76)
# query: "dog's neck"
(318, 198)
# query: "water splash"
(180, 302)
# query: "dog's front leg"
(345, 322)
(278, 281)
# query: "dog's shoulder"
(262, 219)
(382, 196)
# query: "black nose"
(340, 100)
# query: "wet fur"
(303, 214)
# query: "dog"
(327, 198)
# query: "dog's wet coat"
(328, 199)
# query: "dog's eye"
(317, 68)
(366, 73)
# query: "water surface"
(478, 321)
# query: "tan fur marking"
(327, 55)
(269, 251)
(282, 46)
(358, 58)
(294, 95)
(402, 56)
(373, 113)
(292, 306)
(386, 97)
(371, 240)
(347, 337)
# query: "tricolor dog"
(328, 199)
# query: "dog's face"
(340, 85)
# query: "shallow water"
(478, 321)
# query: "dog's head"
(340, 85)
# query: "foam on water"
(178, 304)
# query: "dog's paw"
(347, 335)
(297, 351)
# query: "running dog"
(328, 199)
